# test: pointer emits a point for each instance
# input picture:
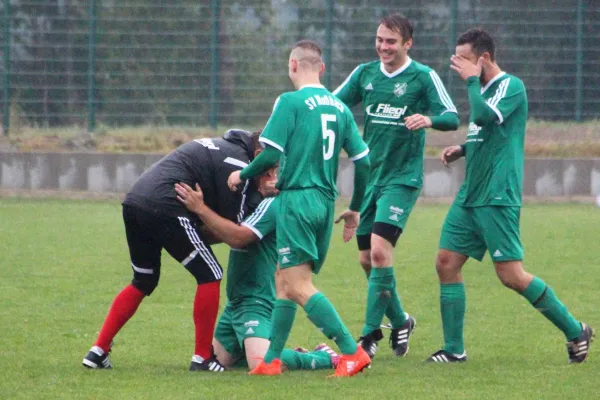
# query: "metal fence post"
(92, 67)
(329, 43)
(452, 38)
(214, 70)
(7, 40)
(579, 60)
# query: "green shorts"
(304, 225)
(240, 322)
(390, 204)
(473, 230)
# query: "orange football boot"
(350, 365)
(270, 369)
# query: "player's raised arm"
(274, 138)
(234, 235)
(501, 105)
(267, 158)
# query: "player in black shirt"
(154, 219)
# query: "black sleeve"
(231, 157)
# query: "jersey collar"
(491, 82)
(396, 72)
(315, 86)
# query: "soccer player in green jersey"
(400, 98)
(243, 330)
(305, 133)
(486, 211)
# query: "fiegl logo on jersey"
(473, 129)
(386, 111)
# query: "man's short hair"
(308, 45)
(480, 42)
(308, 54)
(398, 23)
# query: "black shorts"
(148, 233)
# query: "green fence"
(224, 62)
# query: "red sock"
(123, 308)
(206, 307)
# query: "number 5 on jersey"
(328, 135)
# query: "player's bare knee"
(442, 263)
(448, 266)
(284, 285)
(512, 275)
(298, 293)
(380, 256)
(515, 281)
(510, 282)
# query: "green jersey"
(251, 270)
(495, 141)
(396, 152)
(310, 127)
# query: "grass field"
(62, 262)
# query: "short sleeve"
(262, 220)
(438, 99)
(509, 96)
(279, 125)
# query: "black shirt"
(208, 162)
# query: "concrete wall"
(543, 177)
(96, 172)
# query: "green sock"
(294, 360)
(281, 321)
(379, 293)
(322, 313)
(394, 311)
(542, 297)
(452, 305)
